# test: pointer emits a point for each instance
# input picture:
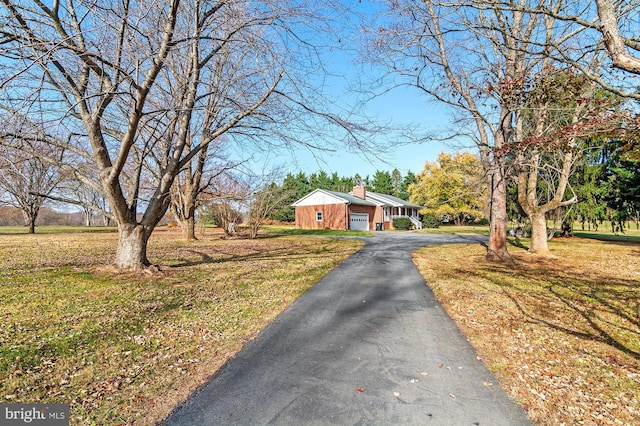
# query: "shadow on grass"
(635, 239)
(596, 308)
(216, 254)
(516, 242)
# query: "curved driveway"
(368, 344)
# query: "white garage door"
(359, 222)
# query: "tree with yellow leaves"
(453, 188)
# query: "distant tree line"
(13, 216)
(605, 182)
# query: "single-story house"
(359, 210)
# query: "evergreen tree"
(622, 180)
(409, 179)
(319, 180)
(587, 179)
(382, 183)
(293, 188)
(608, 185)
(396, 183)
(345, 184)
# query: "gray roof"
(351, 198)
(393, 199)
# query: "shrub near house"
(430, 220)
(402, 223)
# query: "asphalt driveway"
(368, 344)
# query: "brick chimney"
(360, 191)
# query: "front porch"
(391, 213)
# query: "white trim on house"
(389, 200)
(394, 207)
(319, 197)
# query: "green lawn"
(50, 229)
(125, 348)
(631, 234)
(290, 230)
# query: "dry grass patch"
(125, 348)
(562, 335)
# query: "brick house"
(359, 210)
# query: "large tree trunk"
(539, 235)
(498, 219)
(528, 198)
(183, 204)
(30, 220)
(188, 226)
(184, 211)
(132, 247)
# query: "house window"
(319, 216)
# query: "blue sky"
(397, 107)
(401, 107)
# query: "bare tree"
(557, 114)
(225, 215)
(244, 196)
(468, 55)
(263, 196)
(599, 25)
(28, 181)
(125, 85)
(225, 200)
(478, 57)
(73, 191)
(618, 45)
(193, 186)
